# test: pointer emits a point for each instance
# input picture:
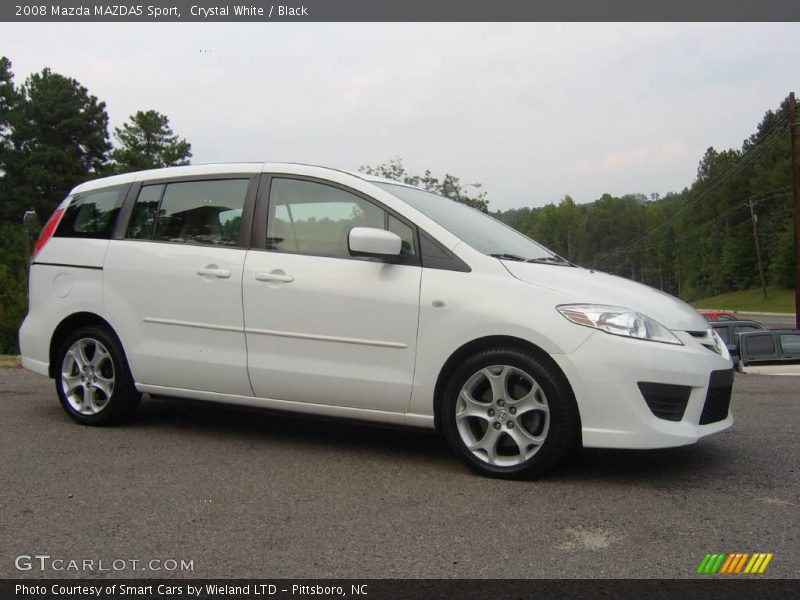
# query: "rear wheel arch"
(67, 326)
(486, 343)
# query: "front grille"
(718, 398)
(666, 401)
(707, 340)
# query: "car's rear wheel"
(508, 413)
(93, 380)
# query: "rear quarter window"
(91, 214)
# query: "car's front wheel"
(508, 413)
(93, 380)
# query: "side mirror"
(370, 241)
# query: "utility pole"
(758, 249)
(795, 208)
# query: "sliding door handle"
(214, 271)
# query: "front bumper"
(606, 372)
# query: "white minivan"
(307, 289)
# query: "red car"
(712, 314)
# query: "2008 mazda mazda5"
(313, 290)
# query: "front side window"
(760, 345)
(192, 212)
(313, 218)
(91, 214)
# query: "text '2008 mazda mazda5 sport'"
(313, 290)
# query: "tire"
(526, 401)
(93, 380)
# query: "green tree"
(58, 138)
(146, 141)
(449, 187)
(13, 285)
(9, 100)
(560, 227)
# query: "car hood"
(583, 286)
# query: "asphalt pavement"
(241, 493)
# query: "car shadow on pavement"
(255, 424)
(668, 466)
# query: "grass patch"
(8, 360)
(778, 300)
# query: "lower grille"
(664, 400)
(718, 398)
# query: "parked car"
(729, 332)
(774, 351)
(715, 315)
(313, 290)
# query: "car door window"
(316, 219)
(723, 333)
(192, 212)
(760, 345)
(405, 233)
(790, 342)
(744, 328)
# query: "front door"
(321, 326)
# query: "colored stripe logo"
(734, 563)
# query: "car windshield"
(479, 230)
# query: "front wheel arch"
(479, 345)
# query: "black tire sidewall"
(564, 427)
(124, 397)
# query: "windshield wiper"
(505, 256)
(549, 260)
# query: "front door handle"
(214, 271)
(276, 275)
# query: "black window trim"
(248, 208)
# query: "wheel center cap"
(502, 415)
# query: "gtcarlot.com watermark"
(45, 562)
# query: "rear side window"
(91, 214)
(790, 343)
(191, 212)
(745, 328)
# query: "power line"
(756, 198)
(756, 150)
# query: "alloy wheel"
(502, 415)
(87, 376)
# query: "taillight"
(47, 232)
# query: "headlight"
(618, 321)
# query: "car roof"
(735, 322)
(224, 168)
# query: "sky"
(531, 111)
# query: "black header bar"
(402, 10)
